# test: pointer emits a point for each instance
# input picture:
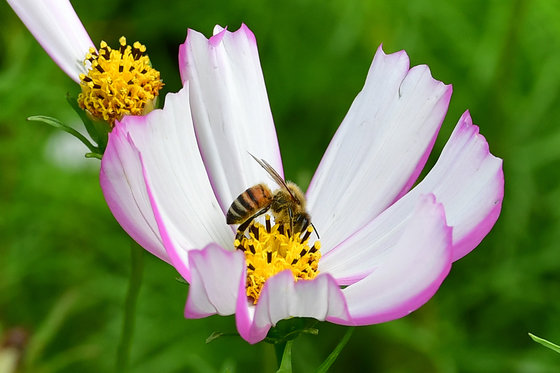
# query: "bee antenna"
(317, 233)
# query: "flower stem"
(332, 357)
(137, 266)
(284, 356)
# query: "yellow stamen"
(119, 82)
(270, 250)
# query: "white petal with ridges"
(58, 29)
(124, 189)
(379, 149)
(172, 180)
(467, 179)
(230, 109)
(408, 274)
(282, 298)
(215, 275)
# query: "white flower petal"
(282, 298)
(58, 29)
(365, 250)
(124, 189)
(467, 179)
(380, 147)
(169, 172)
(230, 109)
(215, 275)
(408, 274)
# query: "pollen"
(118, 82)
(271, 249)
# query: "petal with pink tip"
(230, 109)
(215, 275)
(467, 179)
(408, 274)
(282, 298)
(123, 187)
(379, 149)
(162, 171)
(56, 26)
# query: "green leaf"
(545, 343)
(50, 328)
(66, 128)
(215, 335)
(332, 357)
(94, 155)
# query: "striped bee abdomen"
(248, 203)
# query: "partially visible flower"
(114, 82)
(385, 248)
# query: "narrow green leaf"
(286, 364)
(94, 155)
(215, 335)
(65, 358)
(332, 357)
(58, 124)
(545, 343)
(49, 328)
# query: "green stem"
(332, 357)
(137, 266)
(284, 351)
(279, 350)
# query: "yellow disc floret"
(272, 249)
(119, 82)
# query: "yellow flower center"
(272, 249)
(119, 82)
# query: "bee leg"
(243, 227)
(291, 214)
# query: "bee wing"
(272, 172)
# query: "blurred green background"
(65, 262)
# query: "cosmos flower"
(170, 177)
(114, 82)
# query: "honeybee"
(287, 204)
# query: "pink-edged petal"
(282, 298)
(379, 149)
(230, 109)
(469, 181)
(124, 190)
(365, 250)
(215, 275)
(409, 273)
(153, 161)
(58, 29)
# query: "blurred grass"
(59, 238)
